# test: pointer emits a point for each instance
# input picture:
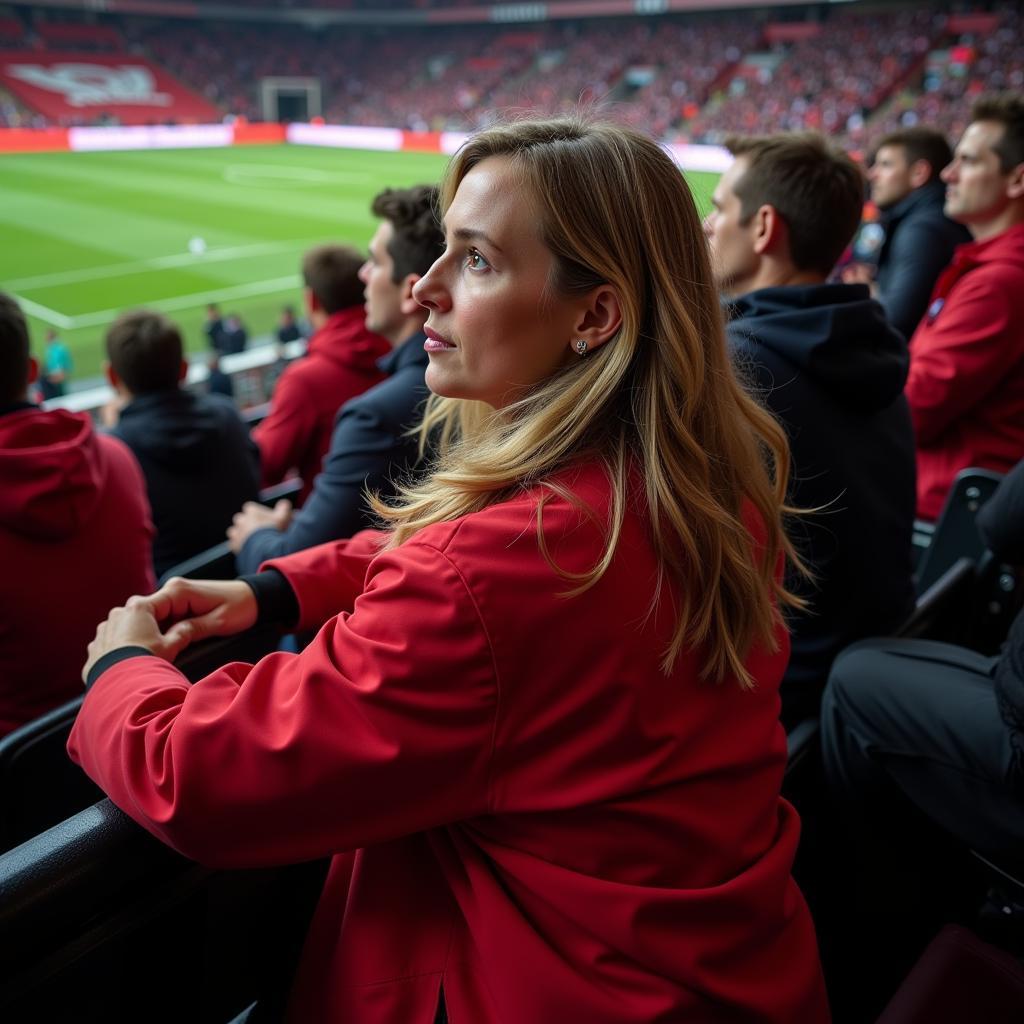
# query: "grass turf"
(90, 234)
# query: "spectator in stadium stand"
(214, 329)
(219, 382)
(234, 337)
(371, 448)
(287, 329)
(912, 726)
(914, 239)
(194, 449)
(539, 731)
(966, 383)
(341, 362)
(57, 367)
(827, 362)
(73, 521)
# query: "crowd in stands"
(849, 75)
(974, 63)
(829, 82)
(506, 741)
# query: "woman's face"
(495, 328)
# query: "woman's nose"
(429, 290)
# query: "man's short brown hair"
(145, 350)
(919, 143)
(1006, 109)
(14, 354)
(417, 239)
(331, 273)
(815, 187)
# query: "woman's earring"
(581, 346)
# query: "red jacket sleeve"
(957, 360)
(382, 727)
(328, 578)
(284, 435)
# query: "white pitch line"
(140, 266)
(44, 313)
(241, 291)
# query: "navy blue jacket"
(200, 466)
(918, 246)
(370, 449)
(826, 361)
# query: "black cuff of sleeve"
(112, 658)
(275, 600)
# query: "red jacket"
(523, 809)
(341, 362)
(966, 383)
(75, 541)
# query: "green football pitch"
(87, 235)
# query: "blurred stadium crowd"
(844, 72)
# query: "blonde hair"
(660, 396)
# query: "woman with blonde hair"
(538, 729)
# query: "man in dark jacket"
(826, 361)
(371, 447)
(194, 449)
(917, 238)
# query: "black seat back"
(39, 784)
(956, 535)
(100, 922)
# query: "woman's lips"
(434, 342)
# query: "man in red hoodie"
(75, 536)
(341, 363)
(966, 382)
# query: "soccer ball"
(197, 246)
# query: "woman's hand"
(178, 614)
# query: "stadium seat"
(100, 922)
(96, 915)
(218, 563)
(956, 535)
(39, 784)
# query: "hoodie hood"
(345, 340)
(175, 430)
(52, 470)
(1007, 247)
(836, 334)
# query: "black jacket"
(1001, 522)
(918, 246)
(370, 449)
(828, 364)
(200, 466)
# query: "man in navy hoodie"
(829, 365)
(372, 446)
(194, 449)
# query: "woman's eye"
(475, 260)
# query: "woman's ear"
(599, 320)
